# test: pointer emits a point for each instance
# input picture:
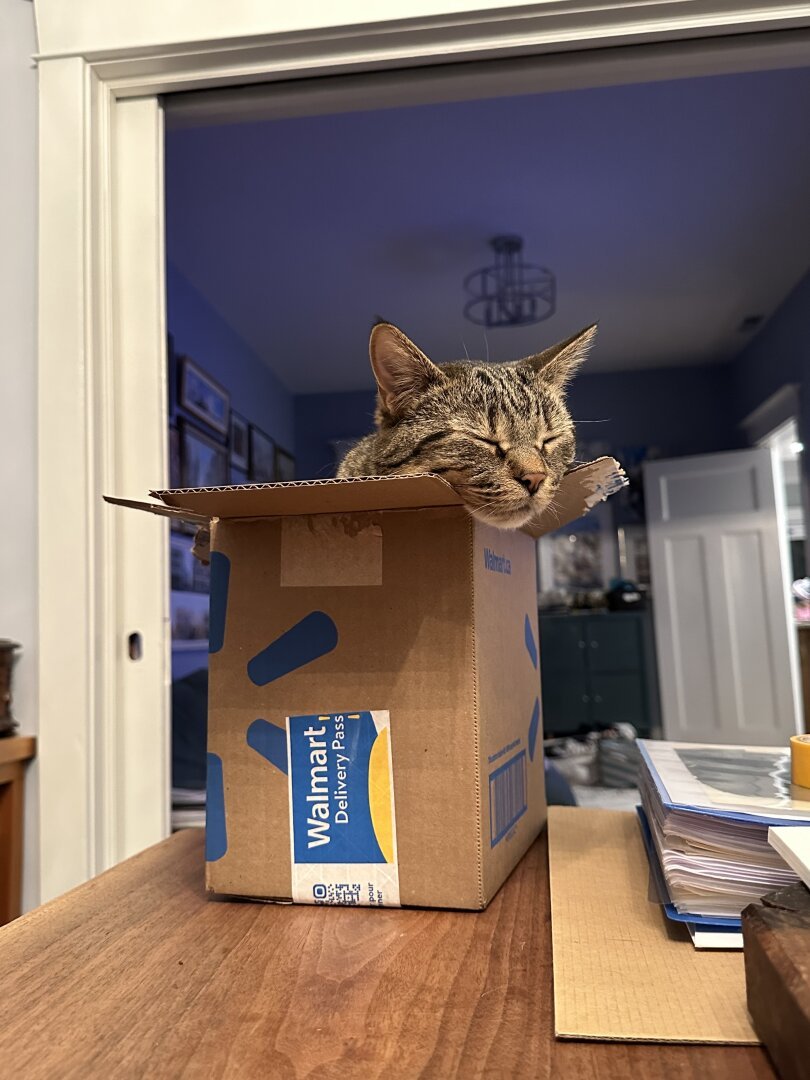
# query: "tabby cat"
(500, 434)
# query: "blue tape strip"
(270, 741)
(216, 835)
(534, 727)
(528, 637)
(314, 636)
(218, 608)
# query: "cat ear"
(402, 371)
(559, 363)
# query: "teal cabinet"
(598, 669)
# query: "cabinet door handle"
(582, 644)
(585, 698)
(597, 698)
(594, 644)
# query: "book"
(708, 809)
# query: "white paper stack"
(708, 809)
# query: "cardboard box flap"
(581, 489)
(344, 496)
(160, 509)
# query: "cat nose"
(532, 481)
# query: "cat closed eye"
(499, 449)
(548, 444)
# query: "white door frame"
(103, 725)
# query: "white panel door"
(725, 641)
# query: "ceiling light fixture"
(511, 292)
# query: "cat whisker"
(464, 343)
(606, 420)
(552, 508)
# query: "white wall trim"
(67, 584)
(175, 37)
(103, 732)
(780, 407)
(620, 65)
(139, 721)
(103, 751)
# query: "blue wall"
(677, 411)
(778, 355)
(199, 332)
(321, 417)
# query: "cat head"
(500, 434)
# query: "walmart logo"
(498, 564)
(312, 637)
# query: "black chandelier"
(510, 293)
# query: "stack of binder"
(705, 815)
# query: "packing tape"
(800, 760)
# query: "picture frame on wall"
(182, 563)
(581, 557)
(240, 449)
(203, 460)
(174, 458)
(171, 360)
(189, 615)
(262, 457)
(634, 555)
(203, 396)
(188, 574)
(285, 466)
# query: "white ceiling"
(668, 211)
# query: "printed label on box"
(507, 797)
(343, 836)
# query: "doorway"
(102, 342)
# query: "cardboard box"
(374, 695)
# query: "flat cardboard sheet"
(621, 969)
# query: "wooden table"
(136, 974)
(15, 752)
